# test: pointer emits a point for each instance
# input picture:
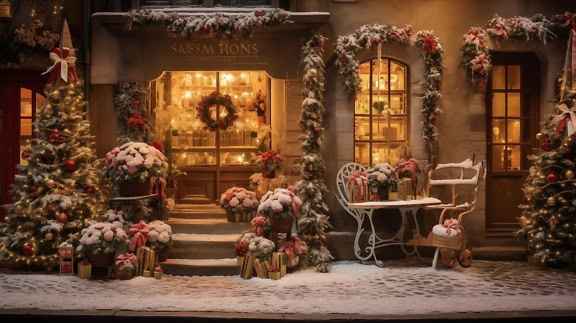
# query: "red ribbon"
(122, 258)
(451, 224)
(62, 60)
(139, 233)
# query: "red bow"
(139, 233)
(63, 65)
(451, 224)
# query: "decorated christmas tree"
(57, 192)
(313, 214)
(549, 214)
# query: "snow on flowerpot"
(269, 162)
(100, 241)
(160, 239)
(281, 207)
(132, 167)
(125, 265)
(380, 178)
(239, 203)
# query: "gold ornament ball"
(49, 236)
(569, 174)
(551, 201)
(55, 94)
(18, 209)
(50, 183)
(539, 136)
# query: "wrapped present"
(240, 260)
(358, 187)
(66, 257)
(274, 273)
(261, 268)
(279, 260)
(247, 269)
(66, 267)
(145, 261)
(158, 272)
(406, 189)
(85, 269)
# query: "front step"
(500, 253)
(207, 226)
(201, 267)
(189, 214)
(200, 246)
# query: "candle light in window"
(240, 159)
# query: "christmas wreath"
(204, 114)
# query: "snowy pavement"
(401, 288)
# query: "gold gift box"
(85, 271)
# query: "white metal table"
(405, 207)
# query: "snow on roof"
(203, 11)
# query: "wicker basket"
(124, 274)
(239, 216)
(452, 242)
(135, 189)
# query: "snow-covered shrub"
(135, 162)
(102, 237)
(114, 217)
(238, 199)
(281, 203)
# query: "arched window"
(381, 123)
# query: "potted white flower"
(380, 178)
(239, 203)
(132, 166)
(160, 239)
(281, 207)
(100, 241)
(261, 248)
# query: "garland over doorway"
(369, 35)
(476, 54)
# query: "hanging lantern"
(5, 10)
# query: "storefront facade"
(496, 123)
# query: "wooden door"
(21, 94)
(512, 105)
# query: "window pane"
(195, 159)
(25, 102)
(237, 158)
(387, 152)
(362, 153)
(398, 104)
(513, 155)
(498, 77)
(380, 76)
(514, 131)
(25, 127)
(498, 157)
(397, 77)
(514, 77)
(513, 104)
(498, 131)
(499, 104)
(380, 104)
(362, 104)
(388, 128)
(362, 128)
(39, 100)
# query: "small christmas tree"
(57, 192)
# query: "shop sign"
(221, 51)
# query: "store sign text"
(223, 48)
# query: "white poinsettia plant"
(261, 247)
(160, 235)
(135, 162)
(115, 217)
(281, 203)
(238, 199)
(103, 237)
(381, 176)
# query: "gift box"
(66, 267)
(261, 268)
(406, 189)
(274, 273)
(158, 273)
(84, 270)
(146, 262)
(279, 260)
(247, 268)
(357, 187)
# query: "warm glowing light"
(188, 94)
(240, 159)
(243, 75)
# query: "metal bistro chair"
(448, 249)
(358, 214)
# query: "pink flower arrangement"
(135, 162)
(294, 247)
(238, 199)
(259, 224)
(280, 203)
(241, 249)
(407, 168)
(269, 161)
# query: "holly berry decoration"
(546, 145)
(26, 154)
(27, 250)
(33, 189)
(90, 190)
(62, 218)
(55, 136)
(527, 200)
(135, 102)
(70, 165)
(552, 178)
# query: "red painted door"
(21, 93)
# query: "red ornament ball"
(527, 200)
(27, 250)
(33, 189)
(62, 218)
(552, 178)
(568, 152)
(26, 154)
(135, 102)
(70, 165)
(90, 190)
(55, 136)
(546, 145)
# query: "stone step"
(207, 226)
(201, 267)
(203, 246)
(500, 253)
(187, 214)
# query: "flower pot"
(269, 173)
(281, 224)
(274, 275)
(124, 274)
(383, 193)
(162, 254)
(101, 259)
(134, 189)
(240, 260)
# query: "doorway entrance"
(212, 161)
(21, 95)
(512, 106)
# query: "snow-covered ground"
(352, 288)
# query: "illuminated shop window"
(510, 133)
(381, 112)
(30, 102)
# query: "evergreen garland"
(129, 103)
(313, 215)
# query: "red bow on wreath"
(430, 45)
(63, 65)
